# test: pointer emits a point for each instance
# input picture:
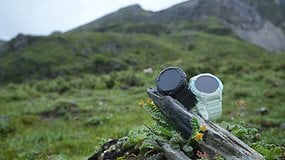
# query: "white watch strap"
(214, 109)
(202, 110)
(211, 110)
(209, 106)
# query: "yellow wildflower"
(141, 103)
(241, 103)
(198, 136)
(203, 128)
(241, 107)
(149, 101)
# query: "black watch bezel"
(182, 83)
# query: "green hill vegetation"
(66, 116)
(77, 53)
(61, 94)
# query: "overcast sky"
(41, 17)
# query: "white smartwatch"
(208, 91)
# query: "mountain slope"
(100, 53)
(130, 14)
(271, 10)
(241, 17)
(76, 53)
(135, 39)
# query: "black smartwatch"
(172, 82)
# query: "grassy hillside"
(118, 48)
(76, 53)
(62, 108)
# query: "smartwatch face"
(169, 80)
(206, 84)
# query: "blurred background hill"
(60, 93)
(1, 43)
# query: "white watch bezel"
(209, 105)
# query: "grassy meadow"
(65, 116)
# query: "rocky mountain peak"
(135, 8)
(133, 13)
(232, 12)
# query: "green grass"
(85, 105)
(83, 52)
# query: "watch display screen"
(206, 84)
(169, 79)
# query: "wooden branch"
(217, 140)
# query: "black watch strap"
(187, 100)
